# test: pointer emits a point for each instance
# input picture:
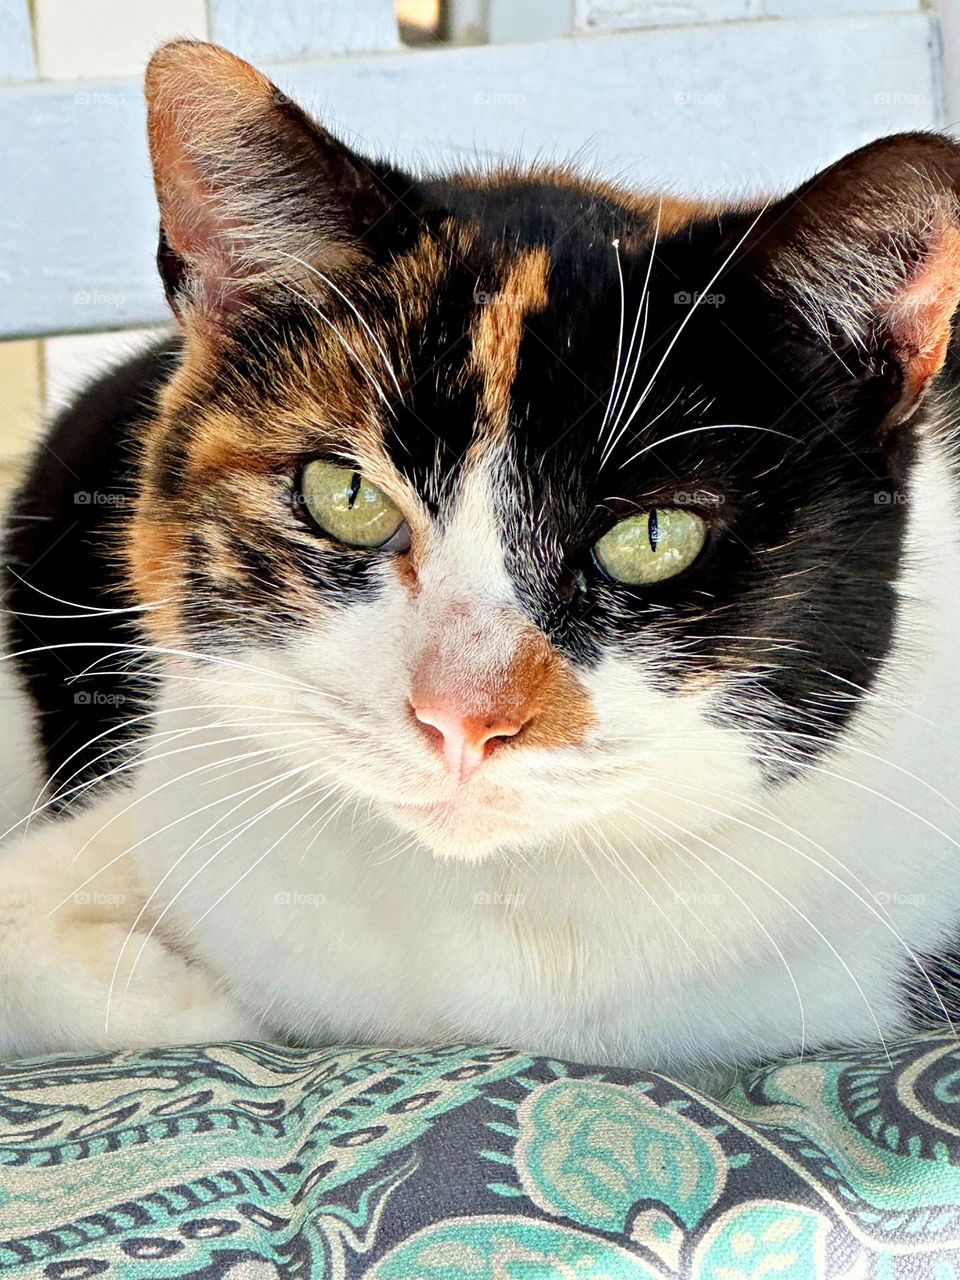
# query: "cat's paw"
(79, 968)
(155, 996)
(96, 985)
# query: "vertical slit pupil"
(653, 530)
(355, 482)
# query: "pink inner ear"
(197, 227)
(920, 317)
(202, 102)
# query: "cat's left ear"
(252, 193)
(868, 252)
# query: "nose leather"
(466, 738)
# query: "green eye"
(652, 546)
(348, 507)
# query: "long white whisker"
(189, 654)
(791, 906)
(616, 366)
(645, 308)
(347, 347)
(272, 808)
(145, 907)
(882, 916)
(132, 765)
(340, 293)
(612, 442)
(91, 609)
(693, 431)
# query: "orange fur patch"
(921, 317)
(536, 687)
(498, 329)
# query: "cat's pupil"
(653, 530)
(355, 481)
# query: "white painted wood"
(508, 21)
(16, 42)
(281, 30)
(94, 39)
(948, 12)
(832, 8)
(609, 15)
(465, 21)
(728, 109)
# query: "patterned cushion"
(254, 1161)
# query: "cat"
(511, 608)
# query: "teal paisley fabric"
(257, 1162)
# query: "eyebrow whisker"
(613, 441)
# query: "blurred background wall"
(721, 96)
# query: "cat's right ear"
(253, 195)
(867, 254)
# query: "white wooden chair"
(722, 96)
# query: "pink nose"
(466, 740)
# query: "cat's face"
(521, 508)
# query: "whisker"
(623, 307)
(347, 347)
(645, 308)
(92, 610)
(614, 439)
(189, 654)
(744, 867)
(881, 915)
(277, 804)
(692, 431)
(340, 293)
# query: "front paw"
(91, 986)
(146, 994)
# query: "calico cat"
(512, 608)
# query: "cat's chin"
(465, 829)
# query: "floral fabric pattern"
(258, 1162)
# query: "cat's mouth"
(468, 823)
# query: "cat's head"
(518, 505)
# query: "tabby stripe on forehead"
(496, 333)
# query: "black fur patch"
(60, 546)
